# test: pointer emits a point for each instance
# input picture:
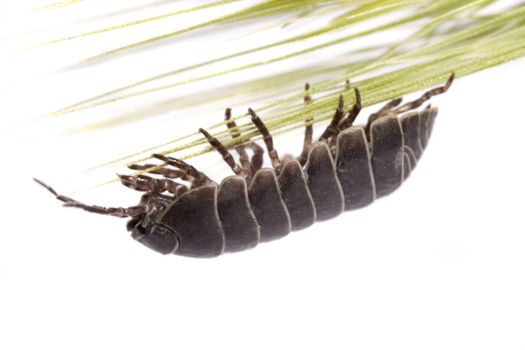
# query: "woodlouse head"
(146, 229)
(144, 223)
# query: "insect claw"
(228, 113)
(252, 114)
(128, 181)
(125, 177)
(205, 133)
(307, 96)
(357, 98)
(160, 157)
(449, 81)
(341, 104)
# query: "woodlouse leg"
(257, 157)
(200, 178)
(145, 183)
(141, 183)
(163, 171)
(389, 105)
(309, 130)
(349, 120)
(118, 212)
(241, 148)
(331, 129)
(226, 155)
(268, 140)
(425, 97)
(249, 166)
(307, 95)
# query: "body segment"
(191, 215)
(354, 168)
(323, 182)
(268, 206)
(241, 229)
(297, 196)
(387, 154)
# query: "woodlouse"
(347, 168)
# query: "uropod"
(347, 168)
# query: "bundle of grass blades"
(386, 48)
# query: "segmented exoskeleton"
(347, 168)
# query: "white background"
(439, 264)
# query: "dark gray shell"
(237, 215)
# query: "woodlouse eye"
(160, 230)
